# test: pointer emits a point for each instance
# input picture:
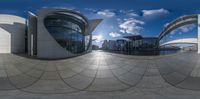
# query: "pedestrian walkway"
(100, 73)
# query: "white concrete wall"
(47, 46)
(12, 34)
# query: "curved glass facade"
(185, 31)
(68, 31)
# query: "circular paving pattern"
(98, 72)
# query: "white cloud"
(187, 28)
(155, 12)
(111, 13)
(129, 13)
(90, 9)
(166, 24)
(122, 31)
(183, 29)
(114, 34)
(97, 38)
(132, 14)
(173, 32)
(131, 26)
(106, 13)
(122, 11)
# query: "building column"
(198, 31)
(32, 34)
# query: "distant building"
(105, 45)
(149, 43)
(112, 45)
(121, 44)
(131, 43)
(141, 43)
(95, 47)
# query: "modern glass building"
(141, 43)
(131, 44)
(68, 31)
(52, 33)
(61, 33)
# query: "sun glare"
(99, 37)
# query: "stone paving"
(101, 75)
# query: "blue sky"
(121, 17)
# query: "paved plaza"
(101, 75)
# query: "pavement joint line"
(102, 61)
(123, 81)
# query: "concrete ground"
(101, 75)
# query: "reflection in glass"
(68, 31)
(186, 31)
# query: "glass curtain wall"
(68, 32)
(186, 31)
